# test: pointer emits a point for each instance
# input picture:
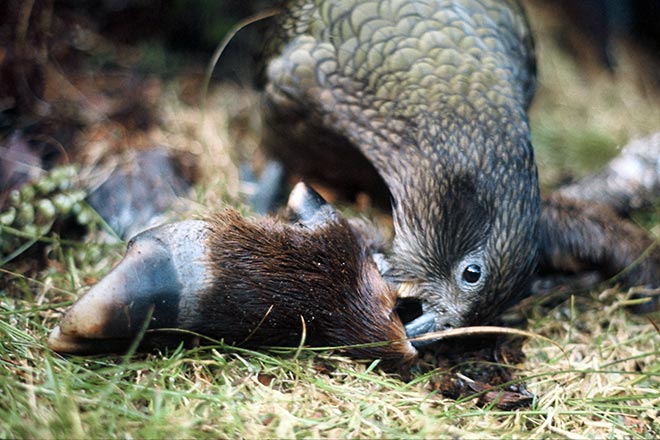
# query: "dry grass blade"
(654, 324)
(223, 45)
(482, 330)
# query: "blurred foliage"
(190, 26)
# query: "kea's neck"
(489, 145)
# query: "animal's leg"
(630, 181)
(578, 237)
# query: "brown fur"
(581, 236)
(269, 277)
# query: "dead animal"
(252, 283)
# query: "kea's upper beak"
(420, 326)
(163, 270)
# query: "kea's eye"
(472, 273)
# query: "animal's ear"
(307, 208)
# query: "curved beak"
(423, 323)
(163, 270)
(420, 326)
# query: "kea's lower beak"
(162, 273)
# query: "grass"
(606, 382)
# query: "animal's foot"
(164, 269)
(590, 243)
(266, 192)
(630, 181)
